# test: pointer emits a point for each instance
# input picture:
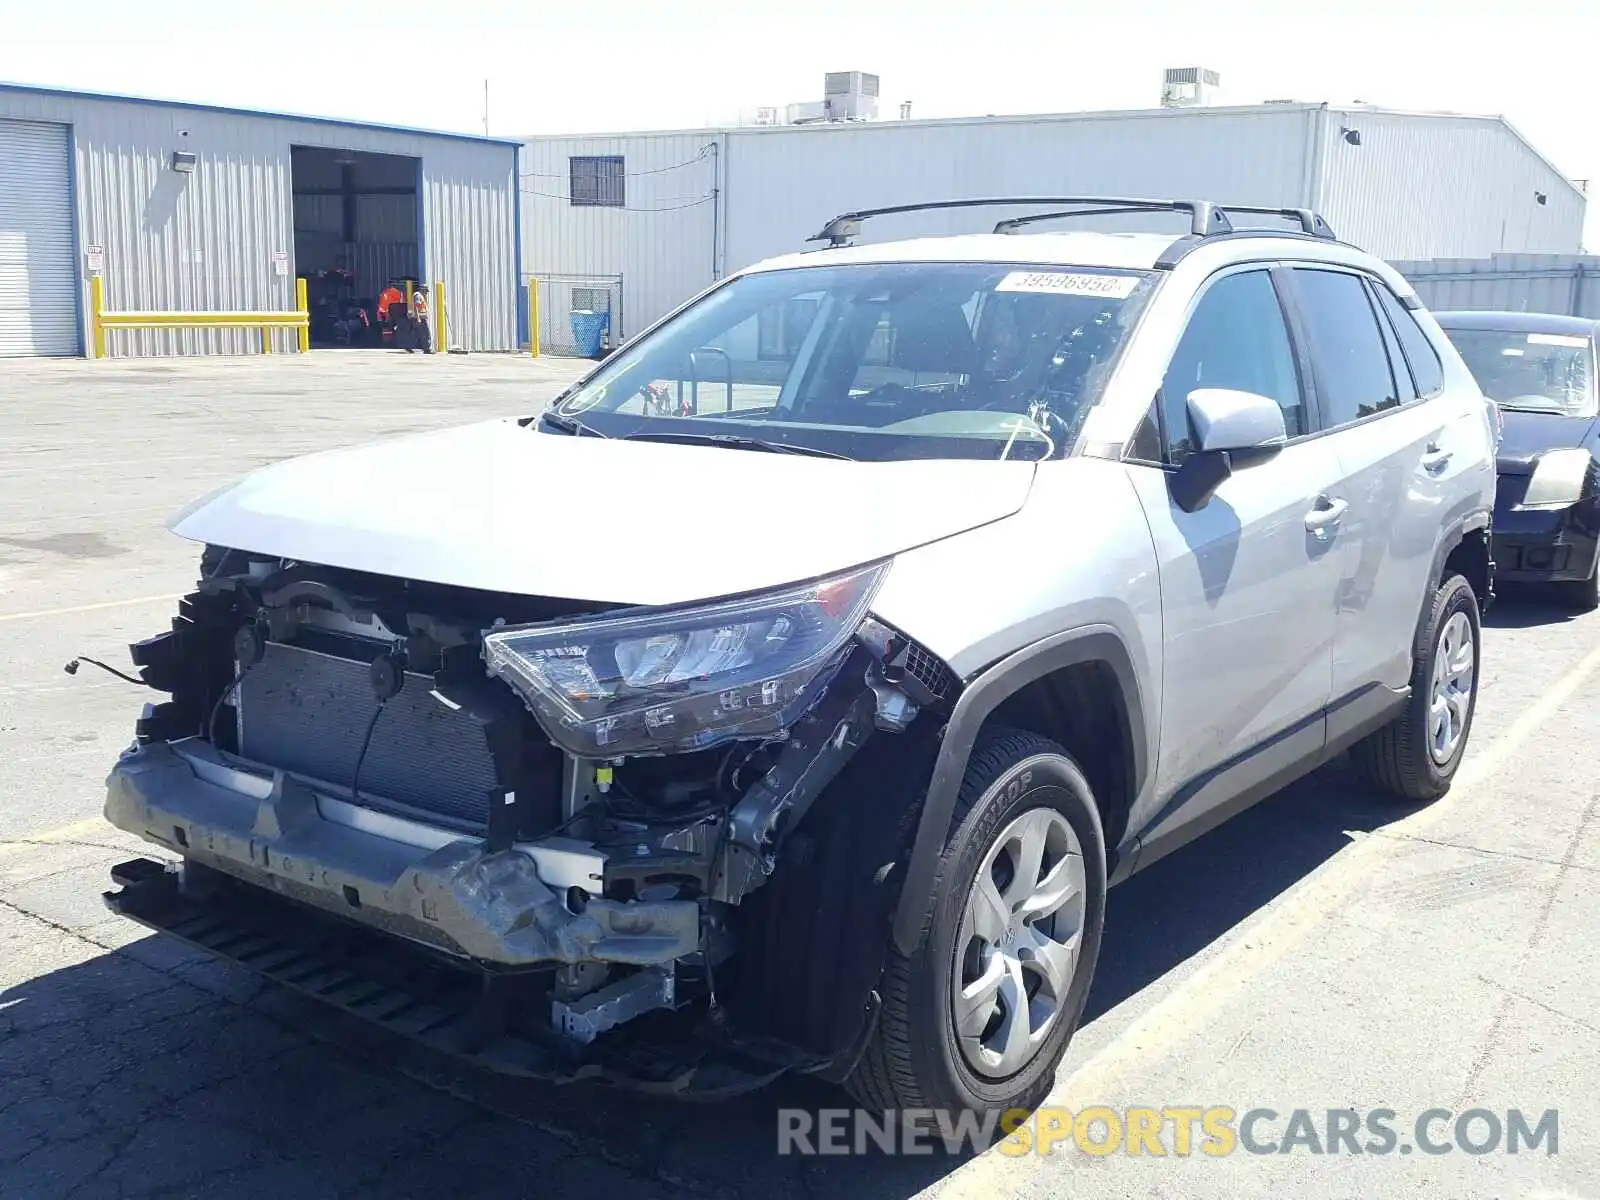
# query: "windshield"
(874, 361)
(1530, 372)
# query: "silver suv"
(787, 695)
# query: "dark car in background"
(1539, 370)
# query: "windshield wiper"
(1528, 408)
(735, 441)
(568, 424)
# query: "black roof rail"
(1311, 224)
(1206, 219)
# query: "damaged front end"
(568, 806)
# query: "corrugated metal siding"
(469, 242)
(1430, 186)
(779, 185)
(207, 240)
(661, 242)
(1547, 283)
(1419, 185)
(785, 183)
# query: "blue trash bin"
(589, 330)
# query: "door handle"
(1325, 516)
(1435, 459)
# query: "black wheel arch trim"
(1476, 521)
(1087, 644)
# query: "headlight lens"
(664, 682)
(1558, 479)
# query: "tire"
(1410, 758)
(1582, 595)
(1014, 781)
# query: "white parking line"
(83, 608)
(1257, 946)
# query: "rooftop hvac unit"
(1189, 87)
(807, 112)
(850, 96)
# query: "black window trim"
(1271, 267)
(1342, 269)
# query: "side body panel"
(1248, 595)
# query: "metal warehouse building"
(192, 208)
(641, 222)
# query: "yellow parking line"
(77, 831)
(1188, 1007)
(82, 608)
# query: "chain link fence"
(560, 296)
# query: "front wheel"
(1415, 756)
(980, 1014)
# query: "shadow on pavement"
(123, 1080)
(1526, 605)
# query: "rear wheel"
(978, 1016)
(1415, 756)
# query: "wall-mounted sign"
(94, 259)
(280, 264)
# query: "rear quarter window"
(1426, 369)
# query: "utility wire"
(705, 152)
(706, 199)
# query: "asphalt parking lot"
(1324, 951)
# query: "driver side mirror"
(1232, 429)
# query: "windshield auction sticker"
(1063, 283)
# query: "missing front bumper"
(436, 1003)
(508, 908)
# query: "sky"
(626, 65)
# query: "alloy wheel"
(1455, 667)
(1017, 949)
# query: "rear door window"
(1354, 377)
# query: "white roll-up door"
(38, 293)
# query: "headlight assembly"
(667, 681)
(1558, 480)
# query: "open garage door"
(38, 289)
(356, 223)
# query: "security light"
(183, 161)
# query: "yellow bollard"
(266, 339)
(533, 317)
(97, 305)
(441, 339)
(303, 307)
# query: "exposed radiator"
(307, 712)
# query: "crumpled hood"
(510, 509)
(1528, 435)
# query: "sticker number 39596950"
(1065, 283)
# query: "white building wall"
(1418, 186)
(206, 240)
(1439, 186)
(661, 241)
(784, 183)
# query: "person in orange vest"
(421, 332)
(387, 299)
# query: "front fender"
(1087, 644)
